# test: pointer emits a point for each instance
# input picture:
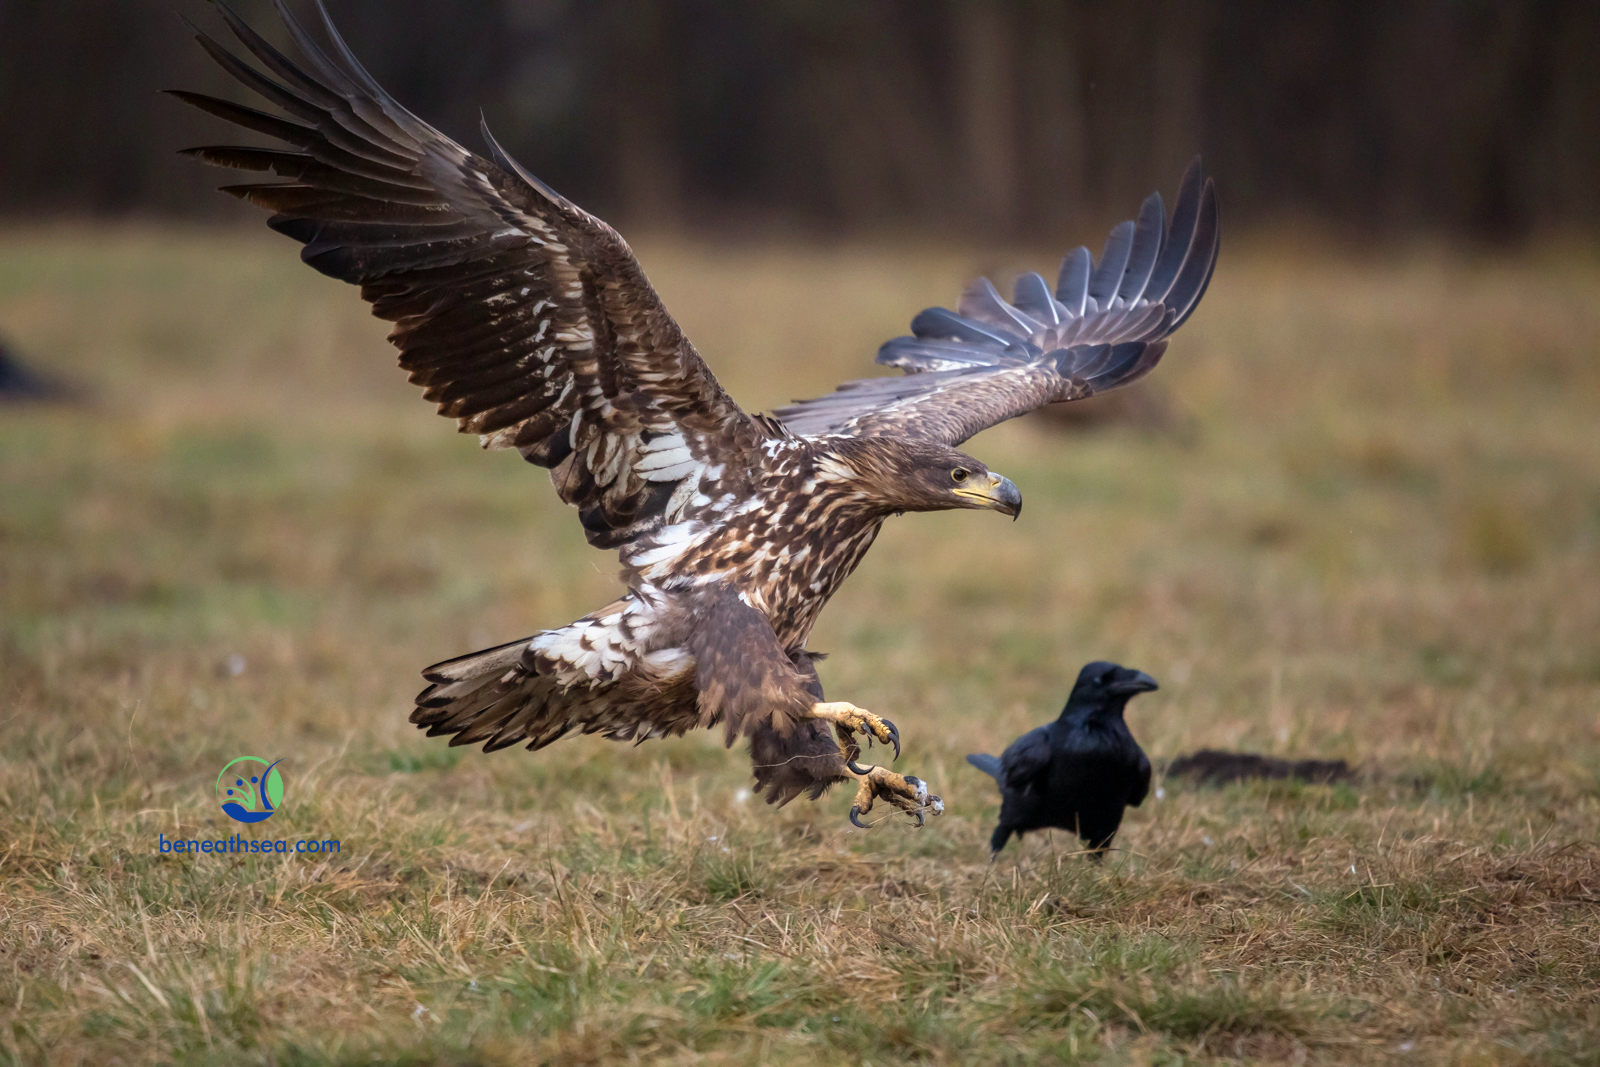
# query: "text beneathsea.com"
(239, 843)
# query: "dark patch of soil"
(1212, 766)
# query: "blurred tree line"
(991, 117)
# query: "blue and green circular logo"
(250, 789)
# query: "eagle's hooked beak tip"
(1007, 497)
(1000, 494)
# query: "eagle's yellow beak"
(996, 493)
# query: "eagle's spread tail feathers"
(475, 665)
(499, 698)
(491, 697)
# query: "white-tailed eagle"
(530, 323)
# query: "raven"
(1079, 772)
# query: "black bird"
(1079, 772)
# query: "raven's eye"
(960, 474)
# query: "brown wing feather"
(1104, 326)
(523, 317)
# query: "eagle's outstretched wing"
(1105, 325)
(523, 317)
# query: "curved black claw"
(856, 768)
(920, 820)
(855, 814)
(894, 737)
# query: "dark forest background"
(991, 119)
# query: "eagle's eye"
(960, 474)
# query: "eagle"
(530, 322)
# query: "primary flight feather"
(529, 322)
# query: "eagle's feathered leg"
(804, 758)
(814, 754)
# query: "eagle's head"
(906, 474)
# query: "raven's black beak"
(997, 494)
(1134, 682)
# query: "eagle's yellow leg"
(850, 720)
(908, 793)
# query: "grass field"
(1378, 538)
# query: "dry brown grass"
(1380, 544)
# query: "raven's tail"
(988, 764)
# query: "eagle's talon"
(908, 793)
(850, 720)
(856, 768)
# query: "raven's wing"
(1026, 761)
(1105, 325)
(1141, 785)
(523, 317)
